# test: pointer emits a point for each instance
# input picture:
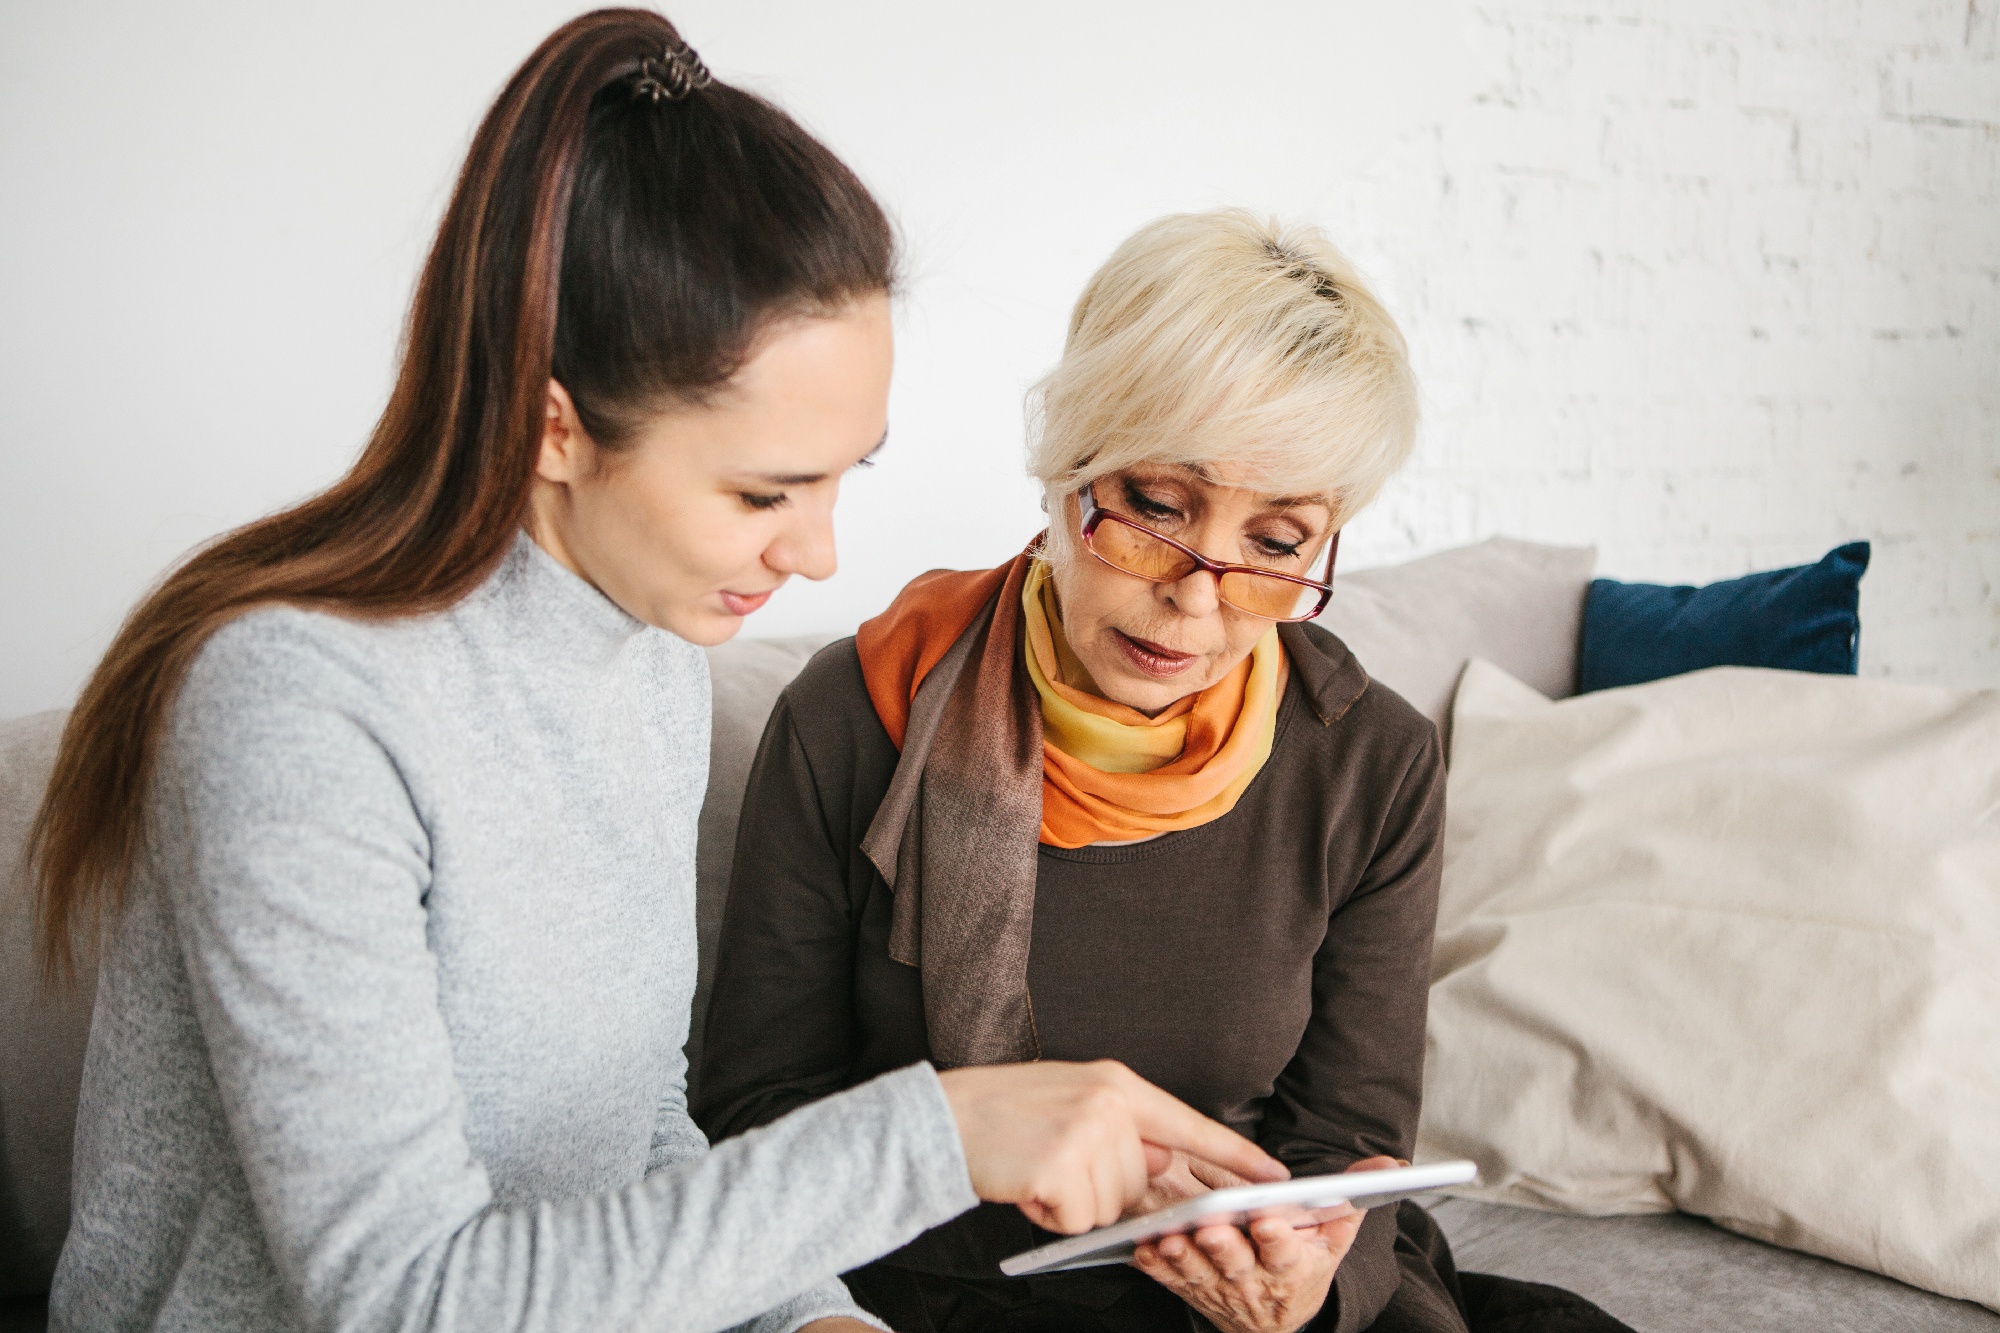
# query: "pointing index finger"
(1167, 1122)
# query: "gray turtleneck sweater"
(389, 1035)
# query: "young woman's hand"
(1072, 1145)
(1184, 1178)
(1273, 1280)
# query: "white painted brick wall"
(1714, 284)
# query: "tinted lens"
(1261, 595)
(1139, 552)
(1142, 553)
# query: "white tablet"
(1237, 1206)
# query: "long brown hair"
(624, 225)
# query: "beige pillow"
(1730, 942)
(1414, 626)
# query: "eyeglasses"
(1133, 548)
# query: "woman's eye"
(753, 500)
(1145, 506)
(1276, 549)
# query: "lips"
(742, 604)
(1151, 658)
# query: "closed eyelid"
(1288, 533)
(1158, 492)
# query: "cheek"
(1244, 635)
(684, 534)
(1091, 594)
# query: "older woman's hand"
(1274, 1280)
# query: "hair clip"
(671, 76)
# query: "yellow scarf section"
(1112, 774)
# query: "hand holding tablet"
(1239, 1206)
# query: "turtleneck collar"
(554, 604)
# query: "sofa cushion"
(1730, 942)
(1672, 1273)
(42, 1035)
(1414, 626)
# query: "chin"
(1147, 694)
(703, 628)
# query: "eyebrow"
(808, 478)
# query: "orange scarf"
(1123, 785)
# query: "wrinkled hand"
(1073, 1145)
(1272, 1280)
(838, 1324)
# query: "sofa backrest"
(747, 675)
(41, 1035)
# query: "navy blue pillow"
(1803, 619)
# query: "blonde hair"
(1223, 337)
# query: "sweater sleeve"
(1355, 1087)
(677, 1140)
(297, 869)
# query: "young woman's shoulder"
(282, 682)
(288, 651)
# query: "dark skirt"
(1434, 1297)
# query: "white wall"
(1714, 285)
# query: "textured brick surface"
(1714, 284)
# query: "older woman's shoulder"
(832, 673)
(828, 699)
(1348, 701)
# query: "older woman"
(1117, 798)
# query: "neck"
(546, 503)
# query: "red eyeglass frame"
(1095, 516)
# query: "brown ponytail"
(625, 243)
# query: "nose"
(805, 548)
(1195, 596)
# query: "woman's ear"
(567, 452)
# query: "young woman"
(383, 809)
(1117, 797)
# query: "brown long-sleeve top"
(1271, 968)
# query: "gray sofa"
(1414, 626)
